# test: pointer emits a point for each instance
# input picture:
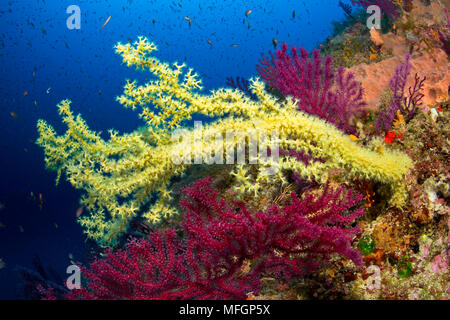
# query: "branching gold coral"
(123, 175)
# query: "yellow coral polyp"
(122, 174)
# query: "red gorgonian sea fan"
(225, 249)
(333, 95)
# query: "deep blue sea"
(43, 62)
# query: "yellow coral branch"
(122, 175)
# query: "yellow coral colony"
(122, 175)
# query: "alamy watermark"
(374, 21)
(74, 280)
(74, 20)
(374, 280)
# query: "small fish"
(372, 56)
(235, 45)
(275, 42)
(70, 256)
(188, 19)
(14, 115)
(209, 42)
(293, 14)
(106, 22)
(48, 90)
(2, 263)
(21, 229)
(248, 12)
(41, 201)
(353, 137)
(56, 225)
(25, 93)
(79, 211)
(34, 75)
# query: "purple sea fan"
(448, 18)
(241, 84)
(226, 249)
(410, 104)
(387, 7)
(333, 95)
(406, 105)
(347, 9)
(444, 36)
